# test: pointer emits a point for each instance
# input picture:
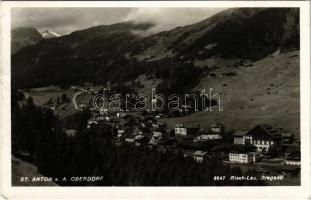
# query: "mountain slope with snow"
(48, 34)
(105, 51)
(248, 55)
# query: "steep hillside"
(72, 59)
(23, 169)
(266, 92)
(22, 37)
(103, 53)
(249, 33)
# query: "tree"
(274, 151)
(64, 98)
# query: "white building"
(99, 118)
(261, 136)
(71, 132)
(120, 132)
(292, 162)
(82, 105)
(129, 140)
(52, 108)
(198, 156)
(103, 111)
(121, 115)
(156, 135)
(181, 129)
(263, 145)
(218, 128)
(91, 122)
(244, 157)
(207, 137)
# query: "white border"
(271, 192)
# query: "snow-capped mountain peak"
(50, 34)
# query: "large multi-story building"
(262, 137)
(245, 158)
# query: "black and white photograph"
(156, 96)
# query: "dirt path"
(75, 102)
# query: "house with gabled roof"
(218, 128)
(262, 137)
(199, 156)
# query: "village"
(266, 149)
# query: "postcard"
(142, 99)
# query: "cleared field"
(41, 96)
(267, 92)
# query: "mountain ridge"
(90, 54)
(23, 37)
(48, 34)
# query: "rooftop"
(199, 153)
(263, 132)
(217, 125)
(71, 132)
(240, 133)
(187, 126)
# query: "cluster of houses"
(246, 147)
(263, 138)
(243, 147)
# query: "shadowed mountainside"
(98, 53)
(23, 37)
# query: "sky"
(67, 20)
